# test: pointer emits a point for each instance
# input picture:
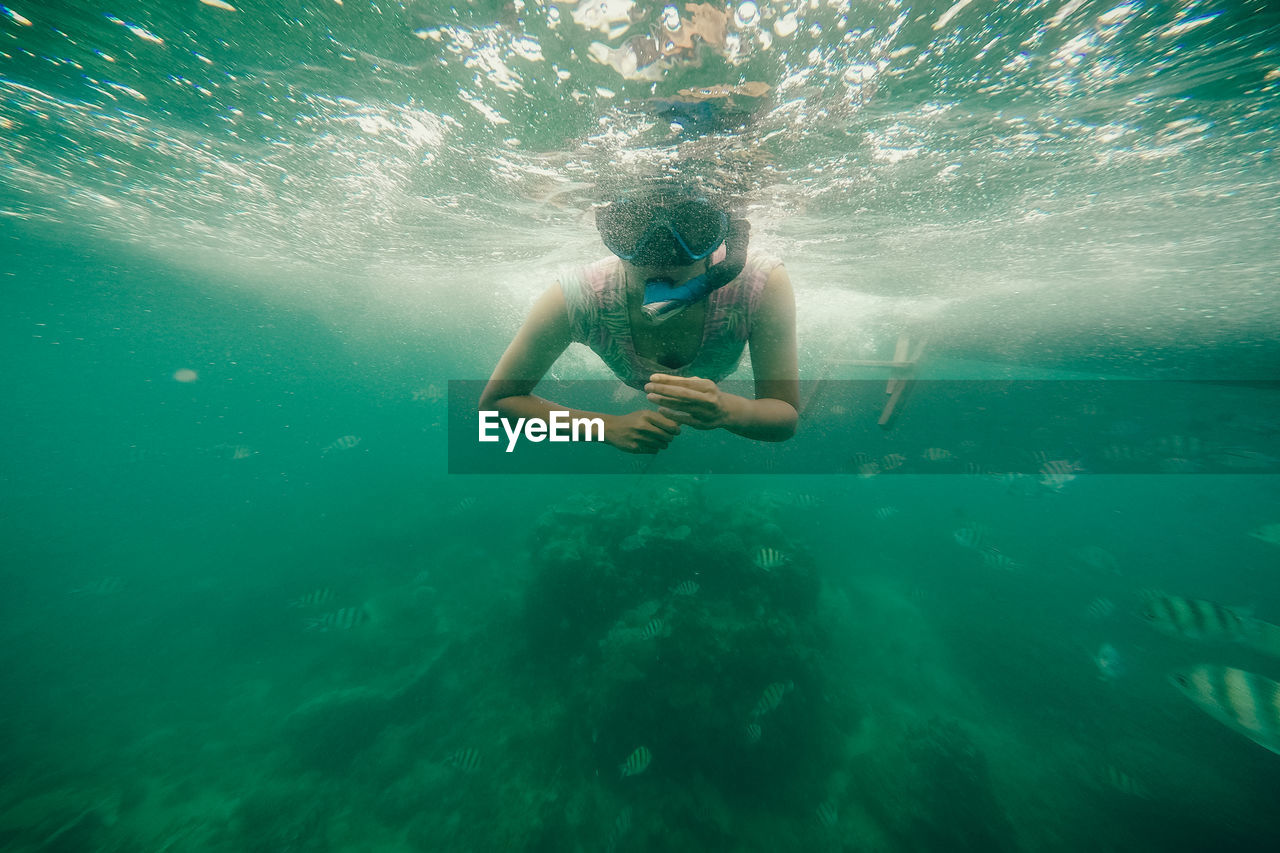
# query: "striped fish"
(1097, 559)
(1269, 533)
(466, 760)
(430, 394)
(1126, 784)
(768, 559)
(1056, 473)
(771, 698)
(1100, 608)
(313, 599)
(972, 536)
(636, 763)
(686, 588)
(891, 461)
(994, 558)
(346, 442)
(1195, 619)
(885, 513)
(1242, 701)
(827, 813)
(109, 585)
(753, 732)
(339, 620)
(621, 824)
(867, 470)
(653, 629)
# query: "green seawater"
(245, 246)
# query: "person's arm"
(540, 341)
(772, 416)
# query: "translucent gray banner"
(1050, 430)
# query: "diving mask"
(651, 230)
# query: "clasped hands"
(682, 401)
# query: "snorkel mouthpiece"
(664, 299)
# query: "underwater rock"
(937, 792)
(328, 732)
(611, 603)
(289, 818)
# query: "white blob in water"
(671, 18)
(748, 13)
(185, 374)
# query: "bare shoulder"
(777, 292)
(778, 278)
(551, 304)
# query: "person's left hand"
(690, 400)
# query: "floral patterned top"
(596, 298)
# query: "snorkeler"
(670, 313)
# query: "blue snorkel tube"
(664, 299)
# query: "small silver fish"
(339, 620)
(769, 559)
(466, 760)
(637, 762)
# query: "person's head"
(663, 224)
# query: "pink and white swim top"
(596, 298)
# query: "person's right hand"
(644, 431)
